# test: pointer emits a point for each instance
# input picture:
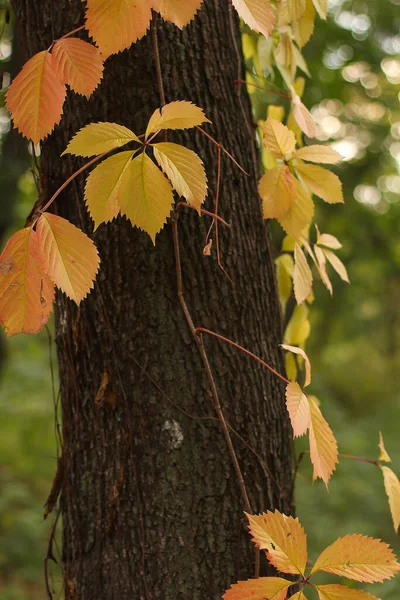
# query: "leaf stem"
(260, 87)
(204, 211)
(72, 32)
(222, 148)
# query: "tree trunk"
(151, 503)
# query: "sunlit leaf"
(115, 25)
(68, 256)
(325, 239)
(146, 195)
(26, 293)
(384, 456)
(277, 190)
(289, 11)
(302, 115)
(298, 408)
(303, 28)
(322, 268)
(102, 190)
(180, 12)
(301, 352)
(323, 445)
(337, 265)
(78, 63)
(273, 588)
(282, 538)
(36, 97)
(318, 154)
(392, 488)
(300, 213)
(257, 14)
(341, 592)
(299, 596)
(184, 169)
(358, 557)
(278, 139)
(321, 6)
(302, 276)
(176, 115)
(321, 182)
(97, 138)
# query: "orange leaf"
(392, 488)
(323, 445)
(298, 408)
(180, 12)
(384, 456)
(26, 293)
(68, 256)
(283, 538)
(78, 63)
(36, 97)
(272, 588)
(358, 557)
(257, 14)
(299, 596)
(115, 25)
(341, 592)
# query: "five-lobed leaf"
(68, 256)
(184, 169)
(341, 592)
(146, 195)
(36, 97)
(358, 557)
(276, 188)
(298, 408)
(257, 14)
(321, 182)
(176, 115)
(78, 63)
(26, 293)
(323, 445)
(272, 588)
(103, 187)
(282, 538)
(115, 25)
(278, 139)
(97, 138)
(392, 489)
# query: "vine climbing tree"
(150, 193)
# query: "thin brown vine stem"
(370, 461)
(50, 555)
(204, 212)
(264, 89)
(239, 347)
(222, 148)
(156, 51)
(67, 182)
(206, 364)
(72, 32)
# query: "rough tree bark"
(150, 501)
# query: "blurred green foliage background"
(354, 62)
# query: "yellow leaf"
(302, 276)
(299, 596)
(323, 445)
(103, 187)
(392, 488)
(341, 592)
(358, 557)
(301, 352)
(276, 188)
(289, 11)
(321, 6)
(384, 456)
(298, 328)
(321, 182)
(291, 367)
(146, 195)
(302, 115)
(278, 139)
(284, 273)
(337, 265)
(97, 138)
(322, 268)
(325, 239)
(176, 115)
(276, 112)
(273, 588)
(318, 154)
(78, 63)
(300, 213)
(282, 538)
(68, 256)
(298, 408)
(115, 25)
(184, 169)
(26, 293)
(257, 14)
(303, 28)
(36, 97)
(179, 12)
